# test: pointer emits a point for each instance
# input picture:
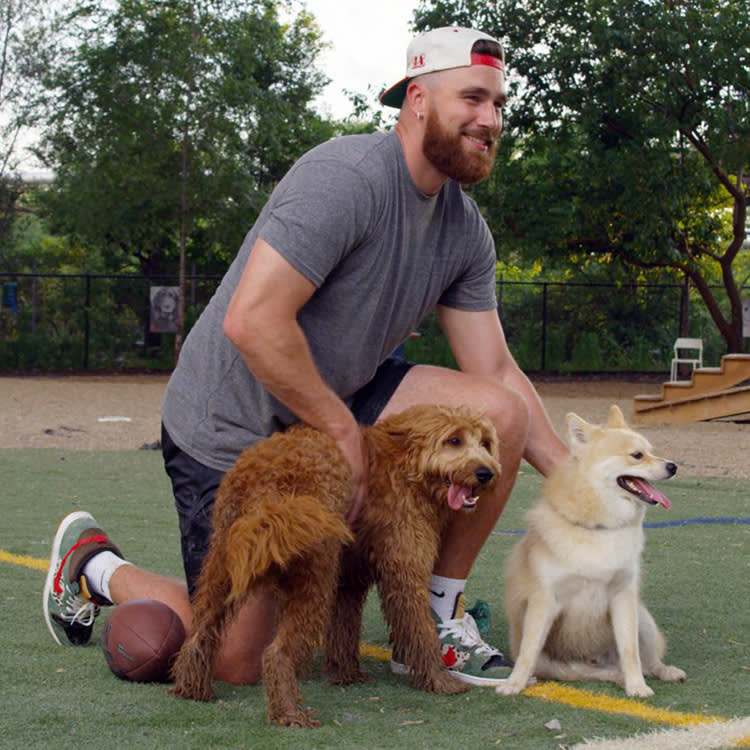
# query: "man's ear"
(416, 94)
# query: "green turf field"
(696, 584)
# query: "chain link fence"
(96, 322)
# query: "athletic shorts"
(194, 484)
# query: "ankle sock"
(100, 569)
(443, 595)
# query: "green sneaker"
(69, 607)
(464, 652)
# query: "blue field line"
(696, 521)
(700, 521)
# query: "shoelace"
(466, 630)
(80, 611)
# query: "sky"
(366, 48)
(368, 41)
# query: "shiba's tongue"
(458, 496)
(645, 491)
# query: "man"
(363, 237)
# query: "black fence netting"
(56, 322)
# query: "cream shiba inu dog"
(572, 583)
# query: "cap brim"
(394, 96)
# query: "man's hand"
(355, 450)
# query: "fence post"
(685, 307)
(544, 326)
(86, 322)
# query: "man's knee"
(508, 410)
(238, 673)
(240, 658)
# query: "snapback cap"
(440, 49)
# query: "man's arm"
(478, 343)
(261, 321)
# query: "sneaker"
(69, 607)
(464, 652)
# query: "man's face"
(464, 121)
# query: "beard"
(448, 153)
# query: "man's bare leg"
(239, 660)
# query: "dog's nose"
(671, 469)
(483, 474)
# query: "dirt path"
(114, 412)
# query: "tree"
(629, 128)
(171, 122)
(25, 31)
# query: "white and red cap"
(440, 49)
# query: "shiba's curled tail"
(277, 533)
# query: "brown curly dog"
(279, 520)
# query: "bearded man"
(363, 238)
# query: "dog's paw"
(443, 683)
(670, 674)
(348, 678)
(639, 690)
(295, 720)
(197, 692)
(509, 687)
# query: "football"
(140, 639)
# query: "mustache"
(490, 135)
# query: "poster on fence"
(164, 309)
(10, 297)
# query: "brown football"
(140, 639)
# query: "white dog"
(572, 583)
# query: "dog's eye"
(637, 455)
(455, 441)
(487, 446)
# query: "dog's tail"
(277, 533)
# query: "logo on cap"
(417, 61)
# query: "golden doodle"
(279, 521)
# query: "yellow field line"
(556, 692)
(25, 560)
(548, 691)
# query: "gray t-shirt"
(381, 255)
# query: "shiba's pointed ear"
(615, 419)
(579, 431)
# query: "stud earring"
(419, 115)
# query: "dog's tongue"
(646, 491)
(457, 496)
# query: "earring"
(419, 115)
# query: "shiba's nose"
(483, 474)
(671, 468)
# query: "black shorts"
(194, 484)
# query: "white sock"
(443, 595)
(100, 569)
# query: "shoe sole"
(402, 669)
(53, 563)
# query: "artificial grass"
(695, 583)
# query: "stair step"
(702, 397)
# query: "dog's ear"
(580, 431)
(615, 419)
